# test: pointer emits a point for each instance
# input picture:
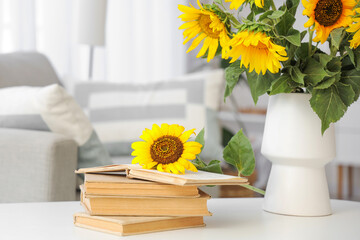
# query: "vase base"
(297, 215)
(297, 191)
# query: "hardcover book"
(113, 185)
(124, 226)
(148, 206)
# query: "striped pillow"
(120, 112)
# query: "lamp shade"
(91, 22)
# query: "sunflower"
(235, 4)
(203, 24)
(355, 41)
(166, 148)
(327, 15)
(257, 52)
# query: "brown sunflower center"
(327, 12)
(204, 22)
(166, 149)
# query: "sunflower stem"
(310, 41)
(273, 5)
(252, 188)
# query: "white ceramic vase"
(298, 151)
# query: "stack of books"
(127, 200)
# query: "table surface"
(236, 218)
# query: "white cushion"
(51, 108)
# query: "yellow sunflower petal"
(179, 167)
(186, 135)
(172, 129)
(178, 130)
(188, 155)
(214, 44)
(173, 168)
(149, 165)
(187, 9)
(188, 25)
(142, 145)
(165, 128)
(159, 167)
(196, 42)
(259, 3)
(192, 144)
(192, 150)
(135, 160)
(235, 4)
(204, 47)
(156, 131)
(183, 162)
(146, 136)
(309, 23)
(191, 167)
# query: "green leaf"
(354, 57)
(200, 138)
(259, 84)
(285, 24)
(293, 37)
(303, 34)
(346, 64)
(265, 15)
(334, 66)
(281, 85)
(214, 166)
(326, 83)
(198, 163)
(323, 58)
(328, 105)
(352, 78)
(232, 75)
(335, 36)
(240, 154)
(297, 75)
(292, 6)
(346, 93)
(276, 14)
(315, 72)
(303, 51)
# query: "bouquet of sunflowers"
(276, 57)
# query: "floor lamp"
(91, 26)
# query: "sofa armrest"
(36, 166)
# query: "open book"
(189, 178)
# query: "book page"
(112, 178)
(109, 168)
(200, 177)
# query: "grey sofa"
(34, 165)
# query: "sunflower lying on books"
(166, 149)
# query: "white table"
(241, 218)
